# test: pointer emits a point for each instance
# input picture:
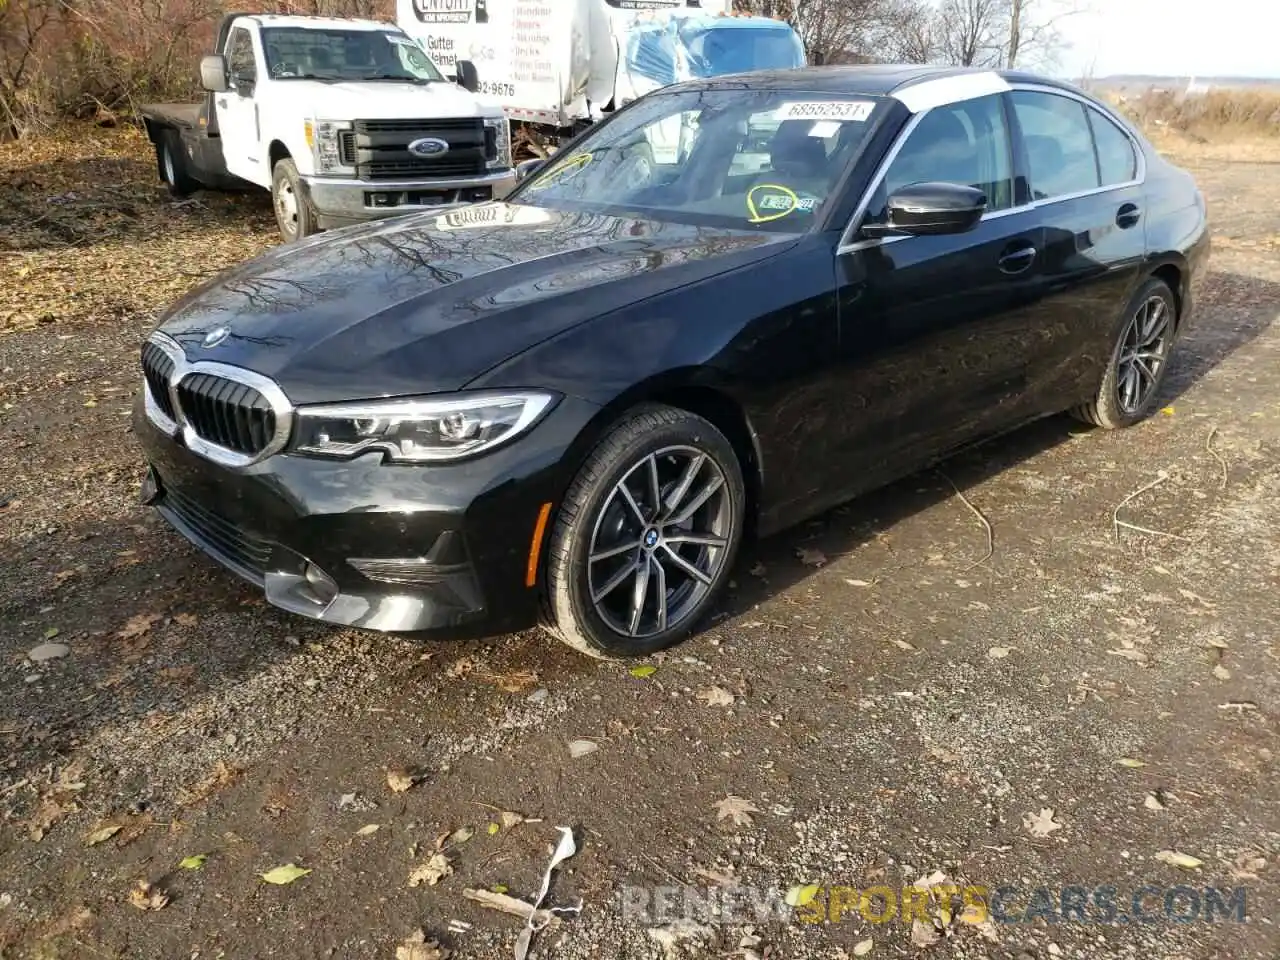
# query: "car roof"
(874, 79)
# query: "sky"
(1173, 37)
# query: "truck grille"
(216, 534)
(157, 367)
(379, 149)
(232, 415)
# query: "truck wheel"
(173, 165)
(294, 215)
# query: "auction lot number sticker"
(846, 110)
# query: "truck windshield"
(733, 157)
(308, 54)
(717, 51)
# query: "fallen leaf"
(493, 828)
(737, 809)
(185, 619)
(923, 934)
(903, 645)
(810, 557)
(1168, 411)
(500, 888)
(144, 896)
(1247, 866)
(51, 633)
(999, 653)
(286, 874)
(863, 947)
(510, 818)
(1152, 802)
(802, 894)
(580, 748)
(368, 829)
(461, 835)
(102, 835)
(497, 900)
(136, 626)
(1175, 859)
(431, 872)
(400, 779)
(416, 946)
(1221, 672)
(195, 862)
(642, 672)
(858, 583)
(1217, 643)
(715, 697)
(517, 681)
(1041, 824)
(1130, 762)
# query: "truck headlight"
(422, 430)
(497, 143)
(333, 152)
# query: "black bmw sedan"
(732, 305)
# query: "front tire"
(294, 215)
(647, 535)
(1139, 360)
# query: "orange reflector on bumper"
(535, 547)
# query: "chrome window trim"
(850, 245)
(183, 368)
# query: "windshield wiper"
(397, 78)
(323, 78)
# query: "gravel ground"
(874, 706)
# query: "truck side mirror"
(213, 73)
(468, 77)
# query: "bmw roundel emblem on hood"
(429, 147)
(216, 336)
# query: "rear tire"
(173, 165)
(629, 573)
(1144, 339)
(294, 214)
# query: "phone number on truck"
(498, 89)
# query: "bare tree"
(907, 32)
(1034, 38)
(970, 33)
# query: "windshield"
(303, 53)
(685, 48)
(758, 160)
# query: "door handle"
(1018, 260)
(1128, 215)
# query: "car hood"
(428, 302)
(387, 100)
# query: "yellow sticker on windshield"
(773, 205)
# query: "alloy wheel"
(1143, 353)
(660, 542)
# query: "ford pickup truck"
(342, 120)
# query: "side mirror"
(527, 168)
(931, 209)
(468, 78)
(213, 73)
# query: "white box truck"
(556, 66)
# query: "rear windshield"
(763, 160)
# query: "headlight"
(427, 430)
(497, 141)
(324, 137)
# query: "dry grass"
(1210, 117)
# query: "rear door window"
(1059, 144)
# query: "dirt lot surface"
(1079, 709)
